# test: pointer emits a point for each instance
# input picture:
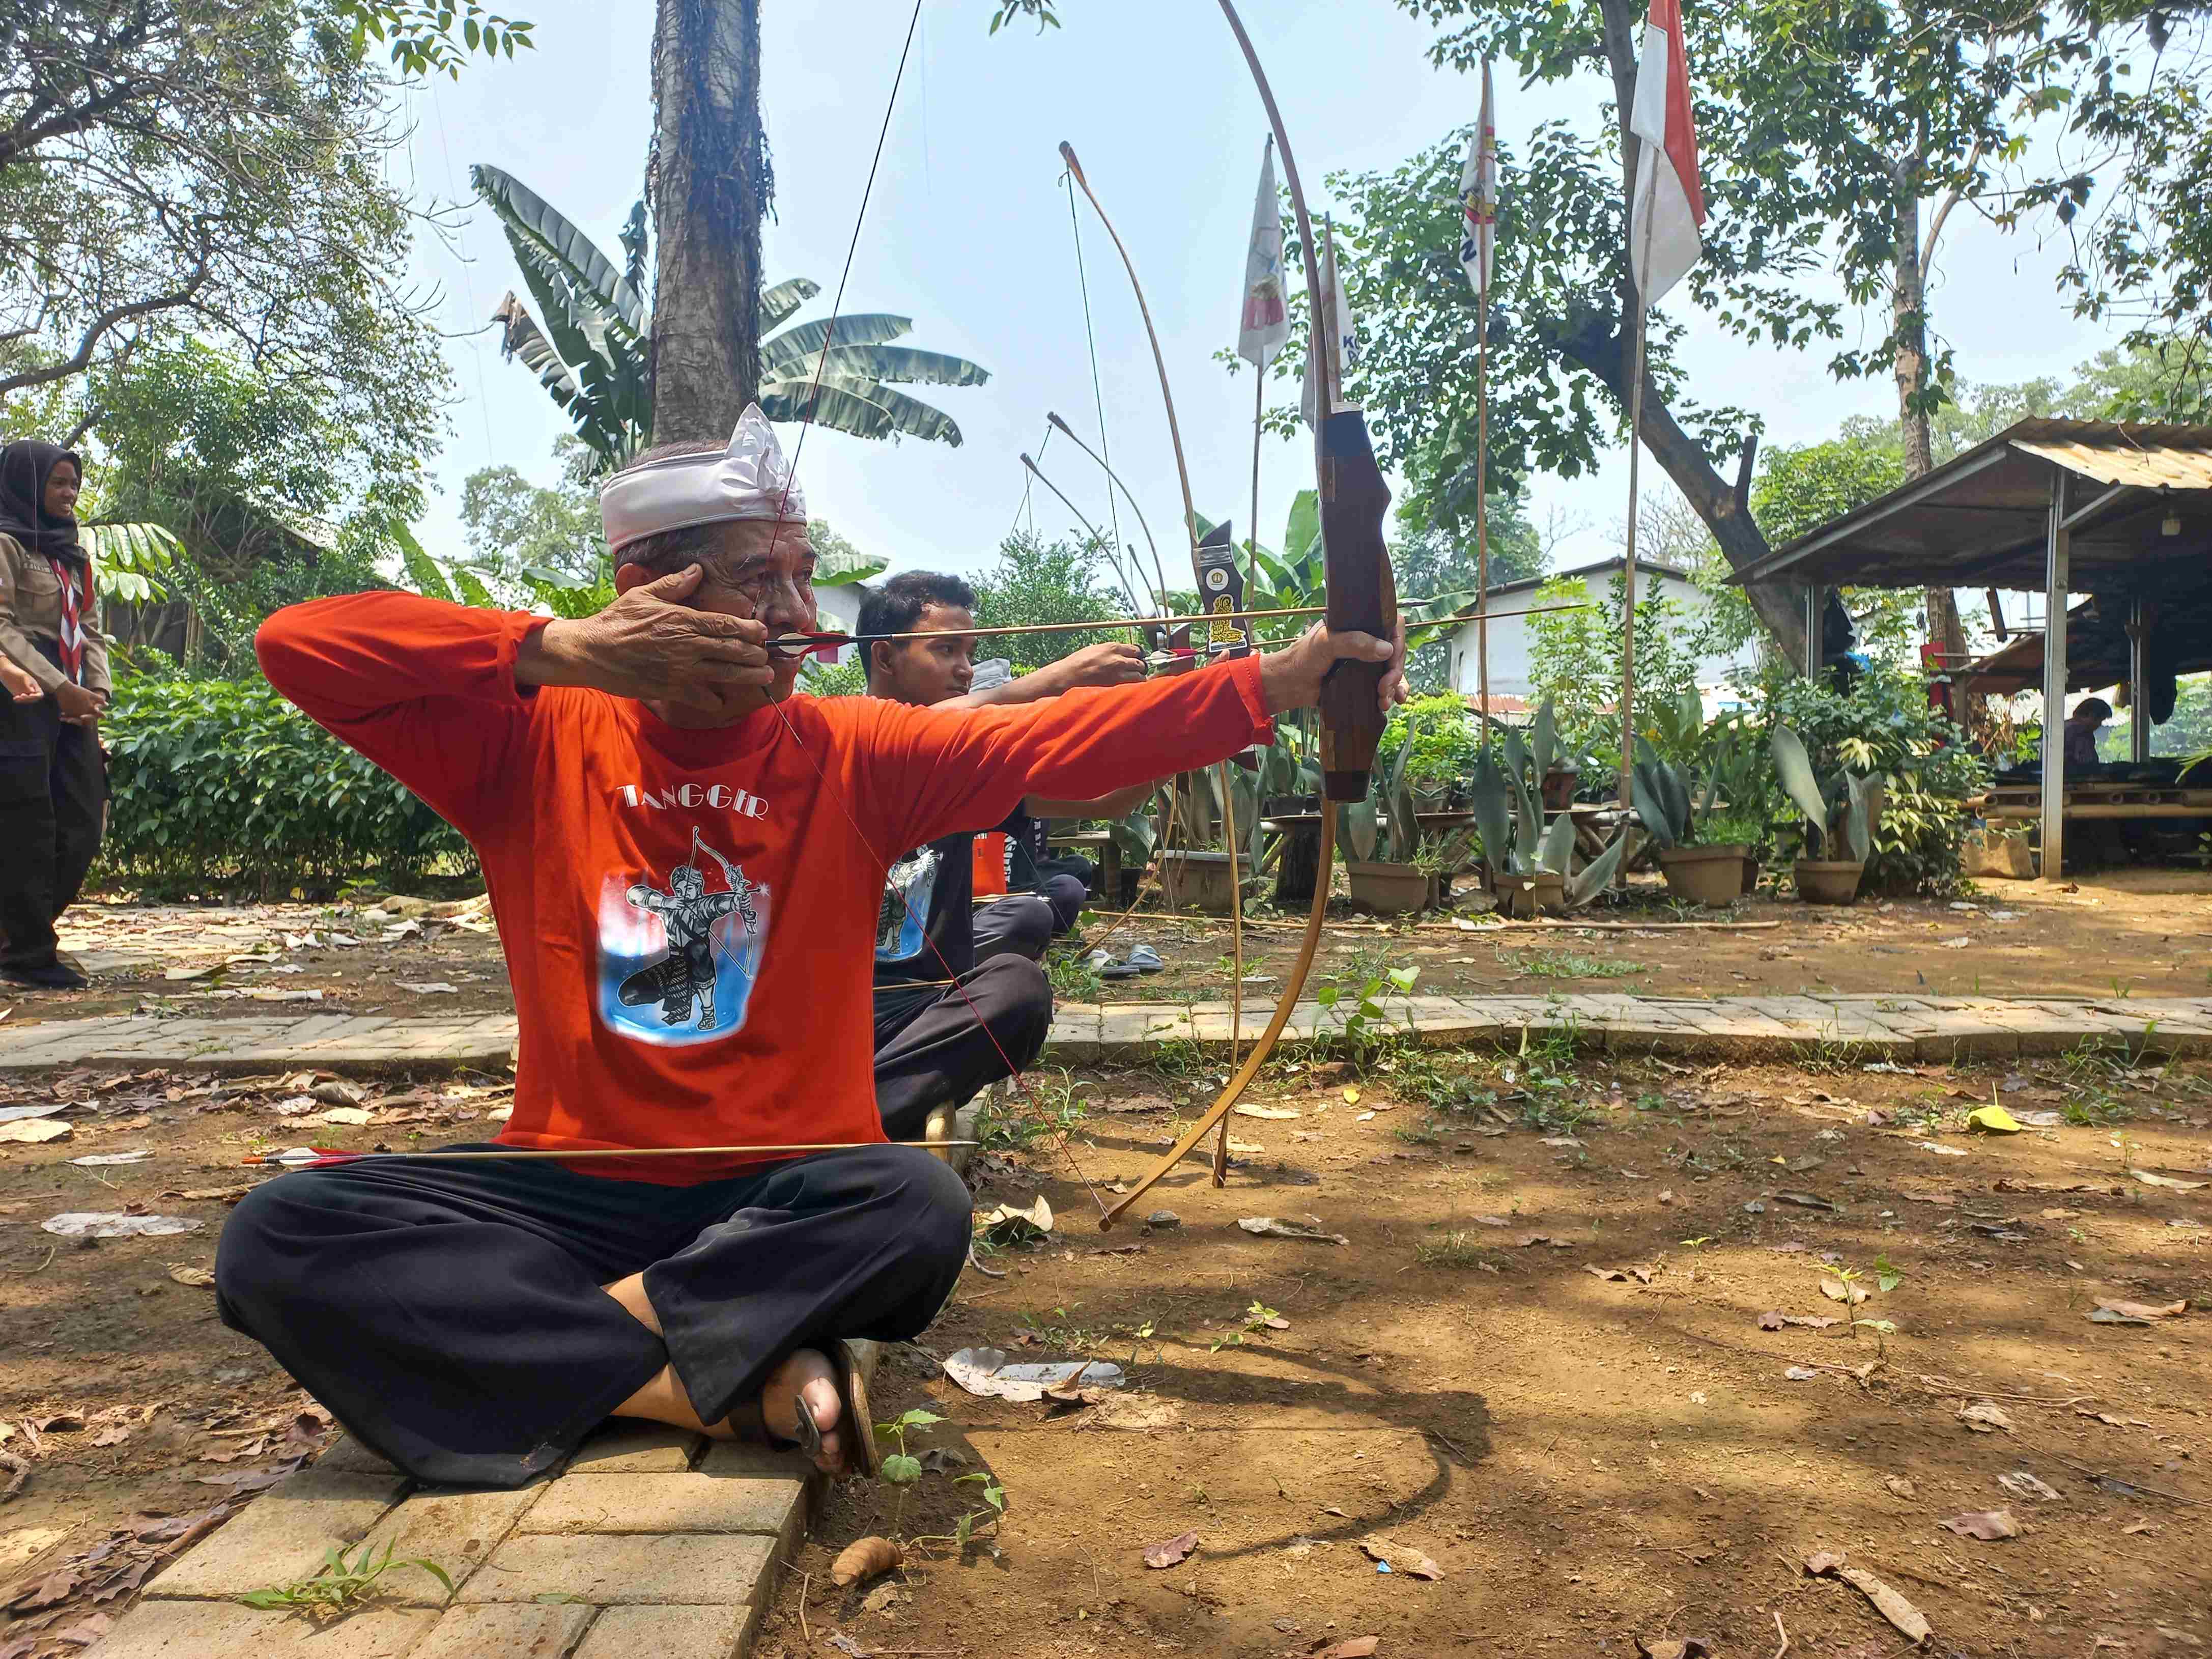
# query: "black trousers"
(53, 792)
(451, 1314)
(1067, 893)
(940, 1046)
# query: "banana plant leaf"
(781, 355)
(1795, 767)
(1301, 530)
(421, 569)
(523, 338)
(786, 297)
(1556, 851)
(529, 218)
(900, 365)
(858, 406)
(471, 589)
(1596, 876)
(834, 569)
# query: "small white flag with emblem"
(1265, 323)
(1477, 196)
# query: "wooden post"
(2138, 706)
(2054, 681)
(1816, 604)
(1628, 613)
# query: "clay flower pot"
(1389, 890)
(1828, 881)
(1705, 875)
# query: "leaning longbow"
(1356, 570)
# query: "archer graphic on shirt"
(688, 913)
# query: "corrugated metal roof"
(2150, 457)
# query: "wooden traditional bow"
(1361, 597)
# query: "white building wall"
(1513, 639)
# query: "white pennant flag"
(1337, 339)
(1477, 196)
(1265, 323)
(1670, 202)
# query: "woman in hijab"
(53, 781)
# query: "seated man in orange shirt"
(472, 1321)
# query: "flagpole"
(1482, 510)
(1635, 454)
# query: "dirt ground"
(1582, 1458)
(1538, 1362)
(2145, 933)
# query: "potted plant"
(1386, 822)
(1676, 812)
(1840, 815)
(1193, 874)
(1531, 863)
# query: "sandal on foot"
(855, 1423)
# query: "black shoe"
(51, 976)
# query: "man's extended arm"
(1095, 665)
(1119, 803)
(948, 769)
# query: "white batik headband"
(750, 479)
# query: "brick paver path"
(1893, 1027)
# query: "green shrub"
(1444, 739)
(222, 784)
(1885, 725)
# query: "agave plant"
(592, 351)
(1840, 811)
(1508, 806)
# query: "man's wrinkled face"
(927, 672)
(763, 570)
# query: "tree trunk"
(1601, 345)
(710, 184)
(1909, 324)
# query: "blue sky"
(968, 233)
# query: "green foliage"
(341, 1585)
(1576, 662)
(221, 784)
(834, 679)
(1035, 581)
(1442, 737)
(1800, 487)
(422, 35)
(1883, 730)
(590, 343)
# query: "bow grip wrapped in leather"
(1353, 500)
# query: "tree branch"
(100, 327)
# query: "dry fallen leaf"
(2137, 1313)
(1985, 1525)
(2021, 1484)
(1357, 1648)
(1837, 1290)
(1167, 1553)
(1983, 1416)
(1689, 1648)
(865, 1558)
(1899, 1486)
(1892, 1607)
(198, 1277)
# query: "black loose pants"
(53, 792)
(451, 1316)
(940, 1046)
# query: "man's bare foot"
(806, 1372)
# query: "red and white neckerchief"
(72, 632)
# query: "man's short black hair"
(896, 606)
(2091, 709)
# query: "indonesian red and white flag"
(1477, 195)
(1265, 323)
(1669, 203)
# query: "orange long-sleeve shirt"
(689, 916)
